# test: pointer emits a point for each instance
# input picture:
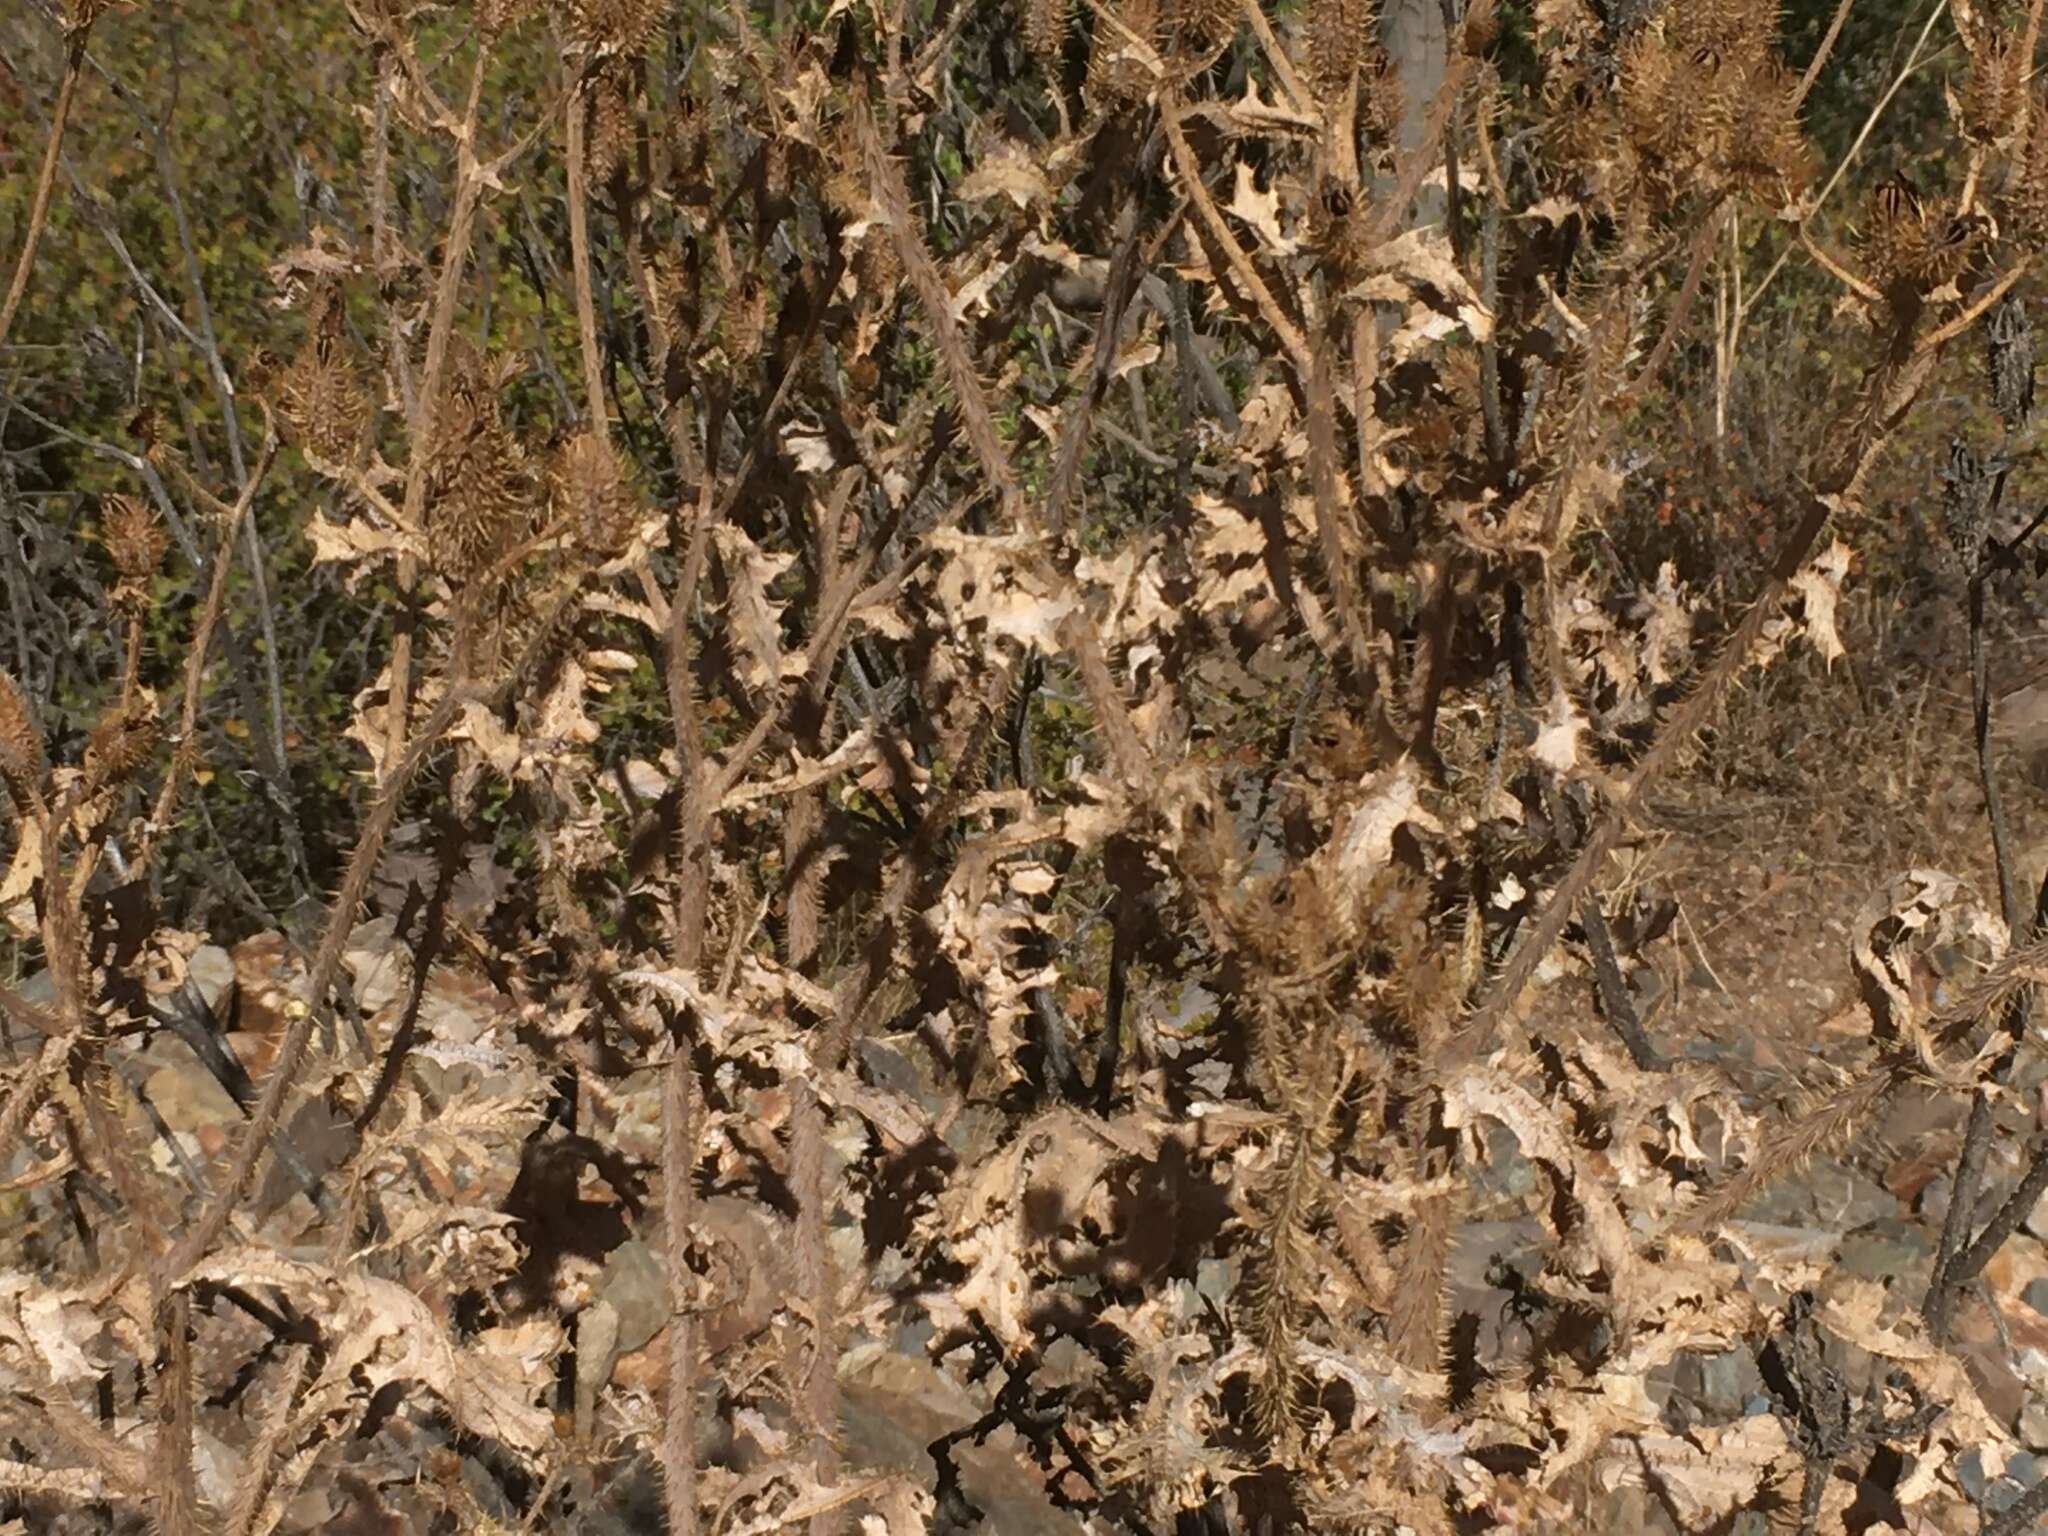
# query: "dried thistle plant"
(480, 494)
(135, 539)
(1335, 38)
(1045, 31)
(1967, 484)
(22, 762)
(2009, 361)
(122, 744)
(588, 490)
(624, 27)
(320, 395)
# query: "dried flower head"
(2026, 203)
(2009, 360)
(616, 26)
(1115, 70)
(134, 537)
(1994, 92)
(22, 763)
(479, 494)
(122, 744)
(1200, 28)
(1895, 242)
(320, 396)
(1967, 485)
(498, 16)
(1336, 32)
(1045, 32)
(610, 134)
(588, 489)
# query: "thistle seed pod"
(2009, 359)
(479, 494)
(1385, 102)
(616, 26)
(1205, 26)
(1894, 243)
(1113, 75)
(22, 764)
(1967, 484)
(1045, 32)
(494, 17)
(121, 745)
(1766, 154)
(1992, 97)
(135, 539)
(1736, 30)
(588, 489)
(321, 397)
(1335, 38)
(743, 323)
(2027, 202)
(80, 14)
(611, 122)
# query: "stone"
(2036, 1223)
(2036, 1294)
(637, 1290)
(1829, 1193)
(1506, 1173)
(2033, 1425)
(1969, 1468)
(1728, 1381)
(1889, 1250)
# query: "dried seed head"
(479, 493)
(1967, 484)
(743, 322)
(1894, 241)
(1200, 29)
(1115, 73)
(589, 490)
(610, 134)
(321, 397)
(1764, 155)
(1385, 103)
(1045, 32)
(497, 16)
(2027, 201)
(1335, 40)
(1579, 127)
(1994, 93)
(616, 26)
(22, 764)
(1738, 31)
(2009, 360)
(135, 539)
(122, 744)
(80, 14)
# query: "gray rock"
(634, 1285)
(1727, 1383)
(1890, 1250)
(2036, 1295)
(1828, 1194)
(889, 1068)
(212, 970)
(2033, 1425)
(1216, 1279)
(2036, 1223)
(1507, 1173)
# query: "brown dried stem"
(39, 203)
